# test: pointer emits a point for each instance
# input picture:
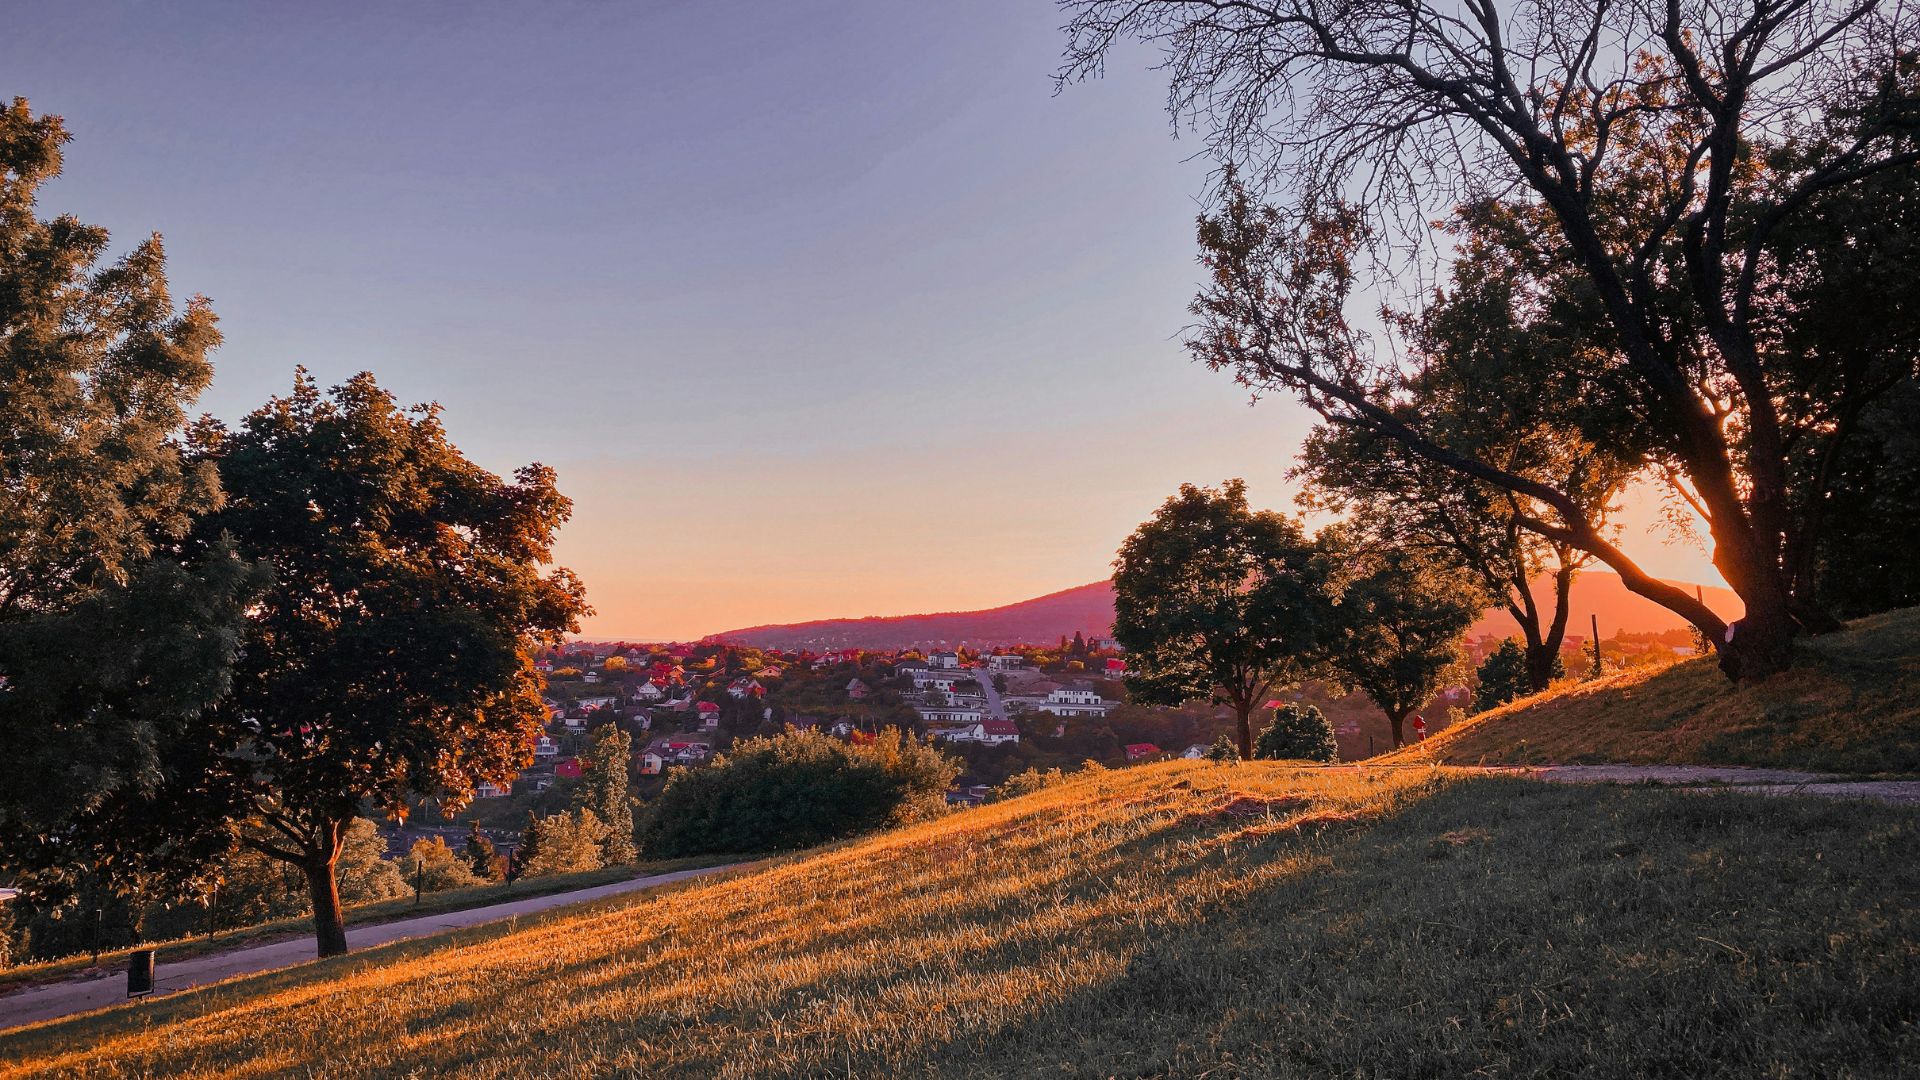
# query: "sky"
(819, 309)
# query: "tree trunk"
(1244, 714)
(1762, 642)
(329, 923)
(1398, 722)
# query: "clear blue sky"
(773, 285)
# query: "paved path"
(996, 709)
(1708, 777)
(50, 1001)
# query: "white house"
(709, 715)
(647, 691)
(1075, 701)
(990, 732)
(1006, 662)
(950, 714)
(947, 660)
(652, 763)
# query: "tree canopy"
(1213, 599)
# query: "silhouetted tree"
(1297, 734)
(1401, 620)
(1652, 183)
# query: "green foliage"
(565, 843)
(1212, 599)
(1503, 676)
(1223, 751)
(115, 634)
(1297, 734)
(604, 790)
(478, 851)
(1402, 617)
(795, 790)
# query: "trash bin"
(140, 973)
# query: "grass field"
(1850, 704)
(381, 911)
(1175, 919)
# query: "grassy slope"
(1851, 704)
(1252, 920)
(368, 914)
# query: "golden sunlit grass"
(1253, 920)
(1850, 704)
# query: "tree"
(392, 657)
(479, 854)
(365, 873)
(439, 867)
(1223, 751)
(604, 790)
(565, 844)
(113, 636)
(1656, 183)
(795, 790)
(1401, 619)
(1212, 599)
(1297, 734)
(1504, 675)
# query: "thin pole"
(1596, 645)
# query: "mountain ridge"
(1088, 609)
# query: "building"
(989, 732)
(1140, 751)
(857, 690)
(1006, 662)
(950, 714)
(709, 715)
(1077, 700)
(945, 660)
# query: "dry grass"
(1850, 704)
(1173, 919)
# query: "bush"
(438, 866)
(795, 790)
(1223, 751)
(364, 872)
(1297, 734)
(1025, 783)
(565, 843)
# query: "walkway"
(1712, 777)
(50, 1001)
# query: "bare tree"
(1632, 132)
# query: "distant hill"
(1089, 610)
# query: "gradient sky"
(819, 309)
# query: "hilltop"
(1851, 703)
(1172, 919)
(1088, 609)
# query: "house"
(709, 715)
(989, 732)
(649, 691)
(567, 767)
(1140, 751)
(1196, 751)
(601, 702)
(545, 748)
(1076, 700)
(943, 681)
(1116, 669)
(652, 763)
(744, 687)
(857, 690)
(946, 660)
(487, 790)
(591, 677)
(1006, 662)
(950, 714)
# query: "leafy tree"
(392, 657)
(1025, 783)
(1297, 734)
(1223, 751)
(795, 790)
(604, 790)
(479, 853)
(114, 637)
(1212, 599)
(1401, 620)
(1504, 676)
(439, 867)
(565, 844)
(1660, 186)
(364, 872)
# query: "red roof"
(568, 767)
(708, 706)
(1136, 751)
(999, 727)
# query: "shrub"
(1223, 751)
(565, 843)
(437, 866)
(1025, 783)
(1297, 734)
(795, 790)
(364, 872)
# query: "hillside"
(1089, 610)
(1179, 919)
(1850, 704)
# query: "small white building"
(946, 660)
(1075, 701)
(989, 732)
